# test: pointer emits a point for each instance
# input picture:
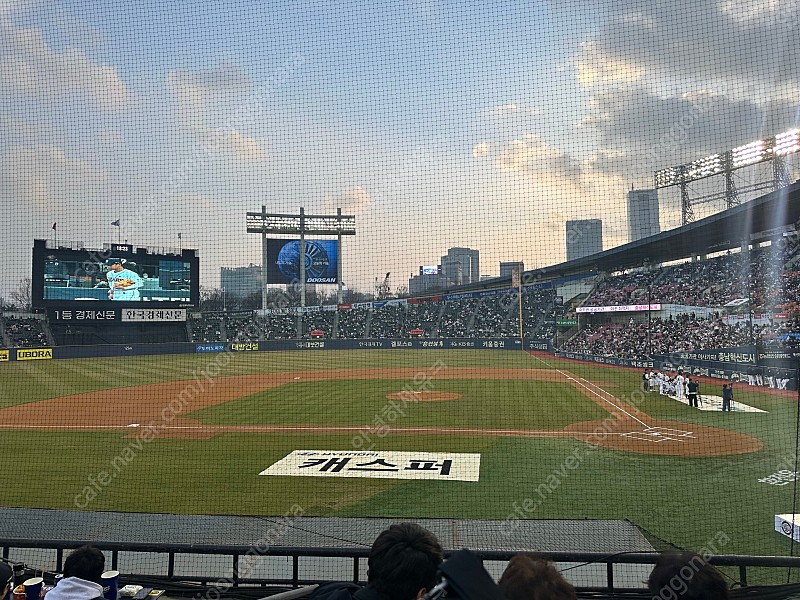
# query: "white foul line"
(580, 381)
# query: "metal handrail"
(296, 552)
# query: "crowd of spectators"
(766, 280)
(352, 323)
(319, 321)
(281, 327)
(387, 321)
(210, 327)
(246, 328)
(539, 311)
(25, 333)
(659, 336)
(769, 277)
(457, 317)
(497, 316)
(625, 288)
(405, 562)
(423, 316)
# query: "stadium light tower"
(773, 149)
(301, 224)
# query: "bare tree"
(21, 297)
(212, 299)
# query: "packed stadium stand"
(387, 321)
(709, 283)
(352, 323)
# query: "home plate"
(712, 402)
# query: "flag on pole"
(54, 226)
(115, 223)
(179, 236)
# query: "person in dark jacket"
(727, 397)
(692, 389)
(6, 578)
(402, 565)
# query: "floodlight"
(750, 154)
(705, 167)
(668, 177)
(787, 142)
(315, 224)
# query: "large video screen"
(119, 276)
(321, 261)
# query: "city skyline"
(489, 126)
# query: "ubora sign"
(34, 354)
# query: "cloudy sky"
(438, 124)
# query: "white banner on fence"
(378, 464)
(620, 308)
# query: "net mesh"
(283, 274)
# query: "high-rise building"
(461, 266)
(643, 218)
(429, 278)
(507, 267)
(240, 281)
(584, 238)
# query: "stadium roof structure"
(759, 219)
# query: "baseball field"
(190, 434)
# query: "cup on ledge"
(33, 588)
(110, 581)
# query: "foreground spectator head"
(86, 562)
(403, 562)
(686, 576)
(529, 577)
(6, 578)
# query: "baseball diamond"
(587, 432)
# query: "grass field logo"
(378, 464)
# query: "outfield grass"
(685, 501)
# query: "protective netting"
(516, 267)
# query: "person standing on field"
(691, 392)
(727, 397)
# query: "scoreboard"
(81, 284)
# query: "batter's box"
(659, 434)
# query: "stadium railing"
(237, 554)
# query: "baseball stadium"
(277, 278)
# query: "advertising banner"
(620, 308)
(383, 464)
(83, 315)
(35, 354)
(150, 315)
(211, 347)
(321, 261)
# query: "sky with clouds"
(437, 123)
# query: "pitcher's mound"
(423, 396)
